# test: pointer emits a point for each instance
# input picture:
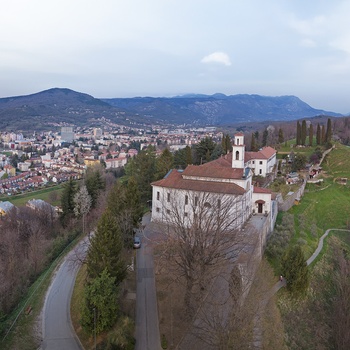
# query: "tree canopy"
(295, 270)
(105, 251)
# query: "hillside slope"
(58, 106)
(219, 109)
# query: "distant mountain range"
(49, 108)
(218, 109)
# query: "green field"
(50, 195)
(322, 207)
(326, 205)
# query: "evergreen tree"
(94, 184)
(99, 310)
(264, 138)
(226, 144)
(299, 162)
(329, 131)
(254, 146)
(295, 270)
(164, 163)
(311, 135)
(203, 150)
(67, 200)
(133, 201)
(217, 152)
(143, 168)
(318, 135)
(323, 135)
(303, 133)
(188, 155)
(298, 139)
(280, 136)
(124, 203)
(105, 251)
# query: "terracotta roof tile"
(261, 190)
(175, 180)
(213, 171)
(265, 153)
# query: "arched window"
(237, 155)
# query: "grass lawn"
(308, 323)
(51, 195)
(325, 205)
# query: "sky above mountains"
(117, 48)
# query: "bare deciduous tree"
(203, 239)
(341, 315)
(82, 204)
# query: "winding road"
(57, 329)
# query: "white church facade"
(223, 185)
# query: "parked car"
(137, 242)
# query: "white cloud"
(310, 27)
(217, 57)
(308, 43)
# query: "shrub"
(164, 342)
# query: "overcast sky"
(127, 48)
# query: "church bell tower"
(238, 149)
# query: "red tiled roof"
(176, 181)
(261, 190)
(268, 152)
(265, 153)
(213, 170)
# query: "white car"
(137, 242)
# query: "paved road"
(320, 244)
(147, 324)
(58, 333)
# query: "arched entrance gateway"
(260, 204)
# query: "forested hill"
(57, 106)
(219, 109)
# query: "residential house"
(5, 207)
(262, 162)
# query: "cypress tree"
(311, 134)
(253, 145)
(329, 131)
(188, 155)
(280, 136)
(264, 138)
(303, 133)
(298, 138)
(318, 135)
(228, 143)
(323, 135)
